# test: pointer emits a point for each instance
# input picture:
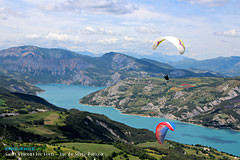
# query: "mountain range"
(224, 66)
(42, 65)
(228, 66)
(157, 56)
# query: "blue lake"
(67, 96)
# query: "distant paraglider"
(174, 40)
(161, 130)
(166, 77)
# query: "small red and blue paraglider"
(161, 130)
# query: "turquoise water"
(67, 96)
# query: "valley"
(135, 86)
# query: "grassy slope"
(106, 149)
(200, 151)
(14, 102)
(74, 125)
(99, 127)
(33, 123)
(147, 150)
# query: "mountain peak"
(22, 51)
(17, 51)
(111, 54)
(116, 54)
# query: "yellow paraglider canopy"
(174, 40)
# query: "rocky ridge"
(42, 65)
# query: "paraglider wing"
(162, 129)
(174, 40)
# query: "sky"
(209, 28)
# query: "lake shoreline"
(142, 115)
(67, 96)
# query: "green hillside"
(108, 151)
(74, 124)
(20, 103)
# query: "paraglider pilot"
(166, 77)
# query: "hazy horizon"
(207, 27)
(133, 54)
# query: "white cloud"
(146, 30)
(5, 13)
(105, 31)
(144, 14)
(108, 40)
(127, 38)
(101, 30)
(113, 7)
(32, 36)
(63, 37)
(89, 30)
(231, 33)
(208, 2)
